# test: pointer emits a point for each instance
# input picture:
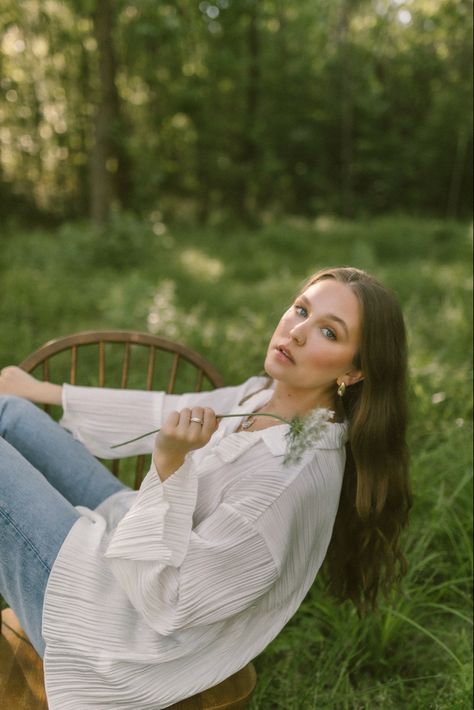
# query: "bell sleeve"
(101, 417)
(177, 576)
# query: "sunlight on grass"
(205, 267)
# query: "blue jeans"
(44, 473)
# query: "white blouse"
(163, 592)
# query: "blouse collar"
(235, 443)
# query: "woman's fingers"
(196, 419)
(202, 424)
(182, 432)
(194, 427)
(171, 422)
(210, 423)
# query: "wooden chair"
(123, 359)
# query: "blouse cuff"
(159, 523)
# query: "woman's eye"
(329, 333)
(301, 310)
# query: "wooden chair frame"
(42, 356)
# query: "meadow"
(220, 291)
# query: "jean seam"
(21, 534)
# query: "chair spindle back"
(199, 372)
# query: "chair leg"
(21, 669)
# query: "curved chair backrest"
(121, 359)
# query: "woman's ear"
(353, 376)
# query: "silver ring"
(197, 420)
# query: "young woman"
(139, 599)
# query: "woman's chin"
(273, 371)
(269, 368)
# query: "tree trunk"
(347, 112)
(249, 148)
(455, 184)
(109, 169)
(83, 177)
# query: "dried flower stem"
(303, 434)
(218, 416)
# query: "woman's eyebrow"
(330, 316)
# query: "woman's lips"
(283, 357)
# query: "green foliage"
(235, 110)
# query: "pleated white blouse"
(166, 591)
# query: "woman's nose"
(297, 334)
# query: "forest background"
(180, 167)
(235, 109)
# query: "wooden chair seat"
(161, 364)
(22, 679)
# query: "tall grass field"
(221, 291)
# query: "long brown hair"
(364, 555)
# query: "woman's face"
(315, 342)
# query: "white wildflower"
(304, 433)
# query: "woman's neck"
(290, 403)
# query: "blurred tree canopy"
(235, 108)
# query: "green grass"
(221, 292)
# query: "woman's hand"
(14, 380)
(179, 435)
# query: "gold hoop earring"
(341, 389)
